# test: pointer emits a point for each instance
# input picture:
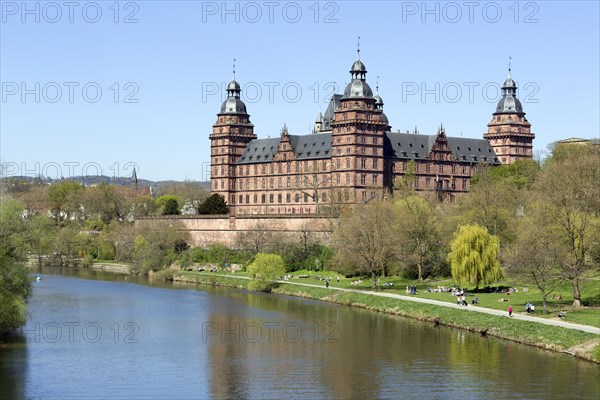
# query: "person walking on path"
(510, 311)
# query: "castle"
(353, 155)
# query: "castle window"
(375, 164)
(264, 183)
(255, 198)
(441, 168)
(364, 194)
(453, 168)
(263, 198)
(279, 183)
(323, 197)
(374, 178)
(271, 198)
(247, 198)
(297, 197)
(247, 184)
(306, 197)
(339, 151)
(464, 169)
(347, 163)
(279, 168)
(427, 168)
(338, 179)
(324, 165)
(347, 150)
(241, 199)
(363, 150)
(374, 140)
(374, 151)
(416, 167)
(363, 179)
(347, 139)
(279, 199)
(287, 182)
(347, 179)
(288, 198)
(427, 182)
(271, 183)
(288, 168)
(363, 163)
(272, 169)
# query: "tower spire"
(377, 85)
(509, 59)
(234, 60)
(358, 49)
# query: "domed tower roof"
(234, 86)
(509, 103)
(358, 67)
(233, 104)
(358, 87)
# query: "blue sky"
(101, 86)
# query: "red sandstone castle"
(353, 155)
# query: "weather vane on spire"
(234, 60)
(358, 48)
(377, 85)
(509, 58)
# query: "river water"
(98, 336)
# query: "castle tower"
(509, 132)
(357, 138)
(230, 135)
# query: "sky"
(101, 87)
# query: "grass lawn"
(590, 290)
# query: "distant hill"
(90, 180)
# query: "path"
(523, 317)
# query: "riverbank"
(580, 344)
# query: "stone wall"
(208, 229)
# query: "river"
(93, 335)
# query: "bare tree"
(367, 238)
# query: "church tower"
(509, 132)
(357, 138)
(230, 135)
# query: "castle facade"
(353, 155)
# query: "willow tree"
(264, 271)
(473, 256)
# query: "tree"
(171, 207)
(568, 188)
(367, 239)
(473, 256)
(419, 231)
(65, 199)
(265, 269)
(215, 204)
(191, 193)
(534, 257)
(15, 287)
(491, 203)
(255, 239)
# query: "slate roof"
(305, 147)
(334, 103)
(417, 147)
